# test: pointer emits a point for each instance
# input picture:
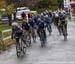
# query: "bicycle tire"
(24, 50)
(23, 47)
(18, 49)
(18, 52)
(42, 40)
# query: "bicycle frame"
(42, 38)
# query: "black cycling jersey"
(25, 26)
(62, 19)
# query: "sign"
(66, 3)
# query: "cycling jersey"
(62, 20)
(32, 23)
(17, 32)
(25, 26)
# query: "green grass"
(6, 34)
(4, 27)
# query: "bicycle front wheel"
(18, 51)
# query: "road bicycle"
(20, 47)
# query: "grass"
(4, 27)
(7, 42)
(6, 34)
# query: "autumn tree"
(2, 4)
(7, 9)
(52, 4)
(10, 9)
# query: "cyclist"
(23, 15)
(26, 32)
(56, 18)
(48, 23)
(33, 28)
(41, 29)
(63, 23)
(17, 32)
(30, 15)
(42, 17)
(57, 14)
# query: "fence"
(5, 39)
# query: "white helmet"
(46, 16)
(39, 19)
(56, 15)
(41, 14)
(14, 24)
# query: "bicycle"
(42, 38)
(20, 47)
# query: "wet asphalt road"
(57, 51)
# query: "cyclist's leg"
(66, 29)
(59, 29)
(29, 37)
(48, 28)
(64, 32)
(17, 41)
(33, 35)
(25, 38)
(25, 42)
(42, 37)
(45, 36)
(38, 32)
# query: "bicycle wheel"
(18, 50)
(24, 50)
(42, 38)
(24, 47)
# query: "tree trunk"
(14, 16)
(10, 19)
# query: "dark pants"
(63, 29)
(39, 31)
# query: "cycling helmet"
(39, 19)
(14, 24)
(46, 16)
(41, 14)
